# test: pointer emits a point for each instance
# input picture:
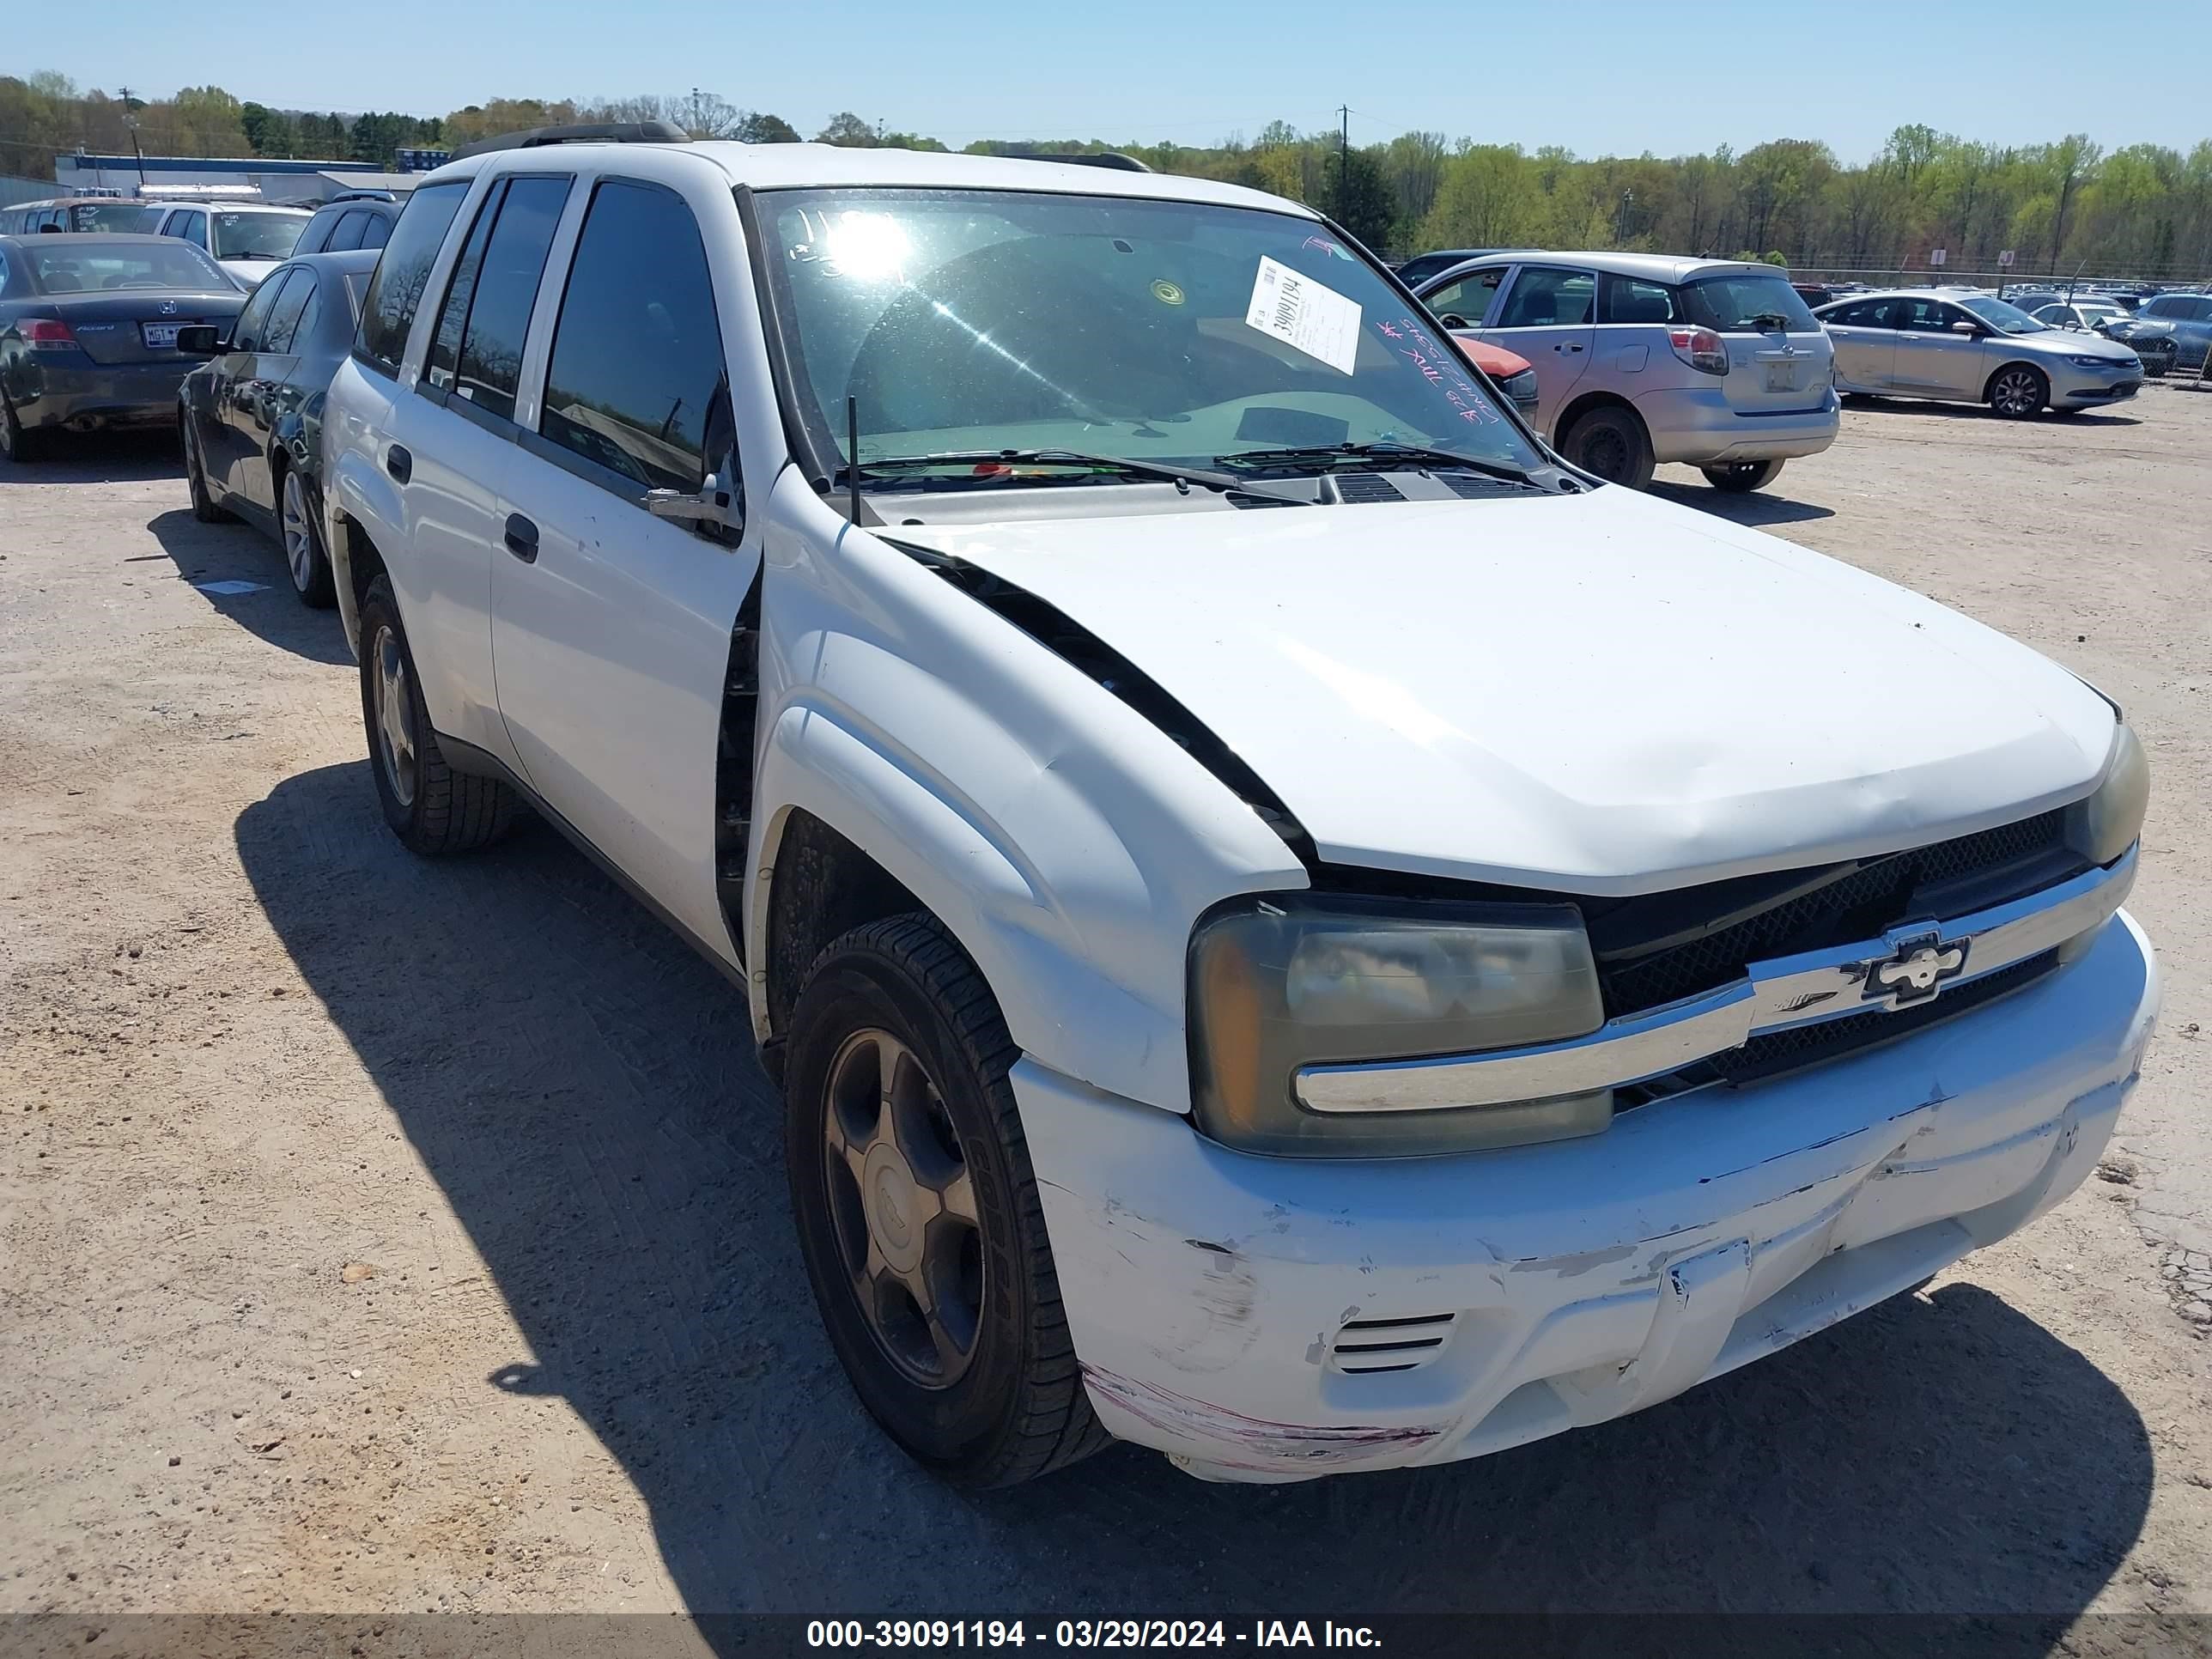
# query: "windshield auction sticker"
(1304, 315)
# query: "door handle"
(522, 538)
(399, 464)
(1567, 345)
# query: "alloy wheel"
(2017, 392)
(903, 1206)
(395, 716)
(299, 538)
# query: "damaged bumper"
(1263, 1319)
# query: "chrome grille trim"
(1772, 996)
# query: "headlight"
(2110, 822)
(1293, 980)
(2094, 362)
(1520, 387)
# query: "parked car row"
(248, 238)
(1203, 810)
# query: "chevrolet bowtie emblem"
(1915, 972)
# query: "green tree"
(759, 127)
(1358, 196)
(847, 130)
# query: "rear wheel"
(204, 503)
(1610, 442)
(1739, 476)
(17, 442)
(431, 808)
(2019, 392)
(303, 545)
(918, 1213)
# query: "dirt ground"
(384, 1236)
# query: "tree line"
(2145, 210)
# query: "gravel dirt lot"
(384, 1236)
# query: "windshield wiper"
(1165, 470)
(1384, 454)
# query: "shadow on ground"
(1919, 408)
(1756, 507)
(103, 457)
(584, 1090)
(238, 553)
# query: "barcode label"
(1305, 315)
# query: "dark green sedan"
(89, 326)
(251, 414)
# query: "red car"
(1512, 372)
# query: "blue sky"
(1600, 77)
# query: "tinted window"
(1861, 313)
(1928, 316)
(1543, 297)
(281, 334)
(193, 227)
(454, 316)
(404, 270)
(347, 232)
(373, 234)
(252, 327)
(311, 319)
(1737, 305)
(1469, 297)
(316, 238)
(637, 353)
(1632, 299)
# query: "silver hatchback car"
(1642, 358)
(1963, 346)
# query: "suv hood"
(1604, 693)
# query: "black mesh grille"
(1856, 905)
(1367, 487)
(1780, 1052)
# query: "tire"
(1610, 443)
(1741, 478)
(304, 558)
(203, 502)
(2018, 392)
(17, 442)
(433, 809)
(901, 996)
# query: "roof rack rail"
(1103, 158)
(586, 132)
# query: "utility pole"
(1621, 219)
(1343, 159)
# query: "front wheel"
(2019, 392)
(433, 809)
(1610, 443)
(303, 545)
(918, 1213)
(1739, 476)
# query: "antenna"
(852, 452)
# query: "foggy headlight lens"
(1292, 980)
(2110, 822)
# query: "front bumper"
(51, 394)
(1223, 1305)
(1696, 425)
(2075, 387)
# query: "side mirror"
(200, 340)
(716, 511)
(1972, 330)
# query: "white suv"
(1292, 929)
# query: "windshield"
(107, 215)
(1732, 304)
(257, 235)
(89, 267)
(2005, 319)
(1173, 332)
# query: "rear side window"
(1544, 296)
(637, 352)
(191, 226)
(373, 234)
(495, 286)
(1632, 299)
(1863, 314)
(347, 232)
(404, 271)
(1745, 304)
(282, 332)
